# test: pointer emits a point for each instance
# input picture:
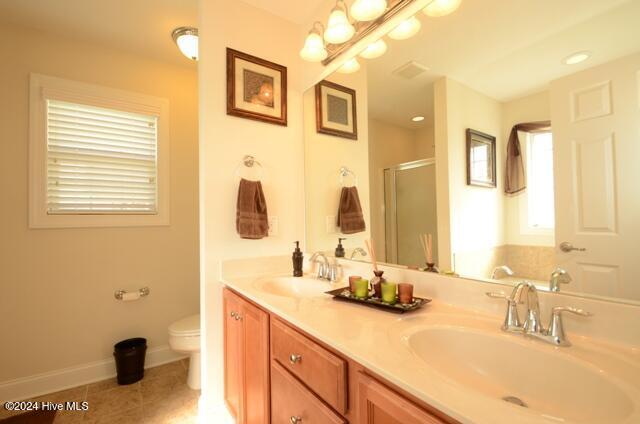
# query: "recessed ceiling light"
(576, 58)
(417, 118)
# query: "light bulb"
(339, 29)
(186, 38)
(313, 50)
(439, 8)
(368, 10)
(350, 66)
(375, 49)
(406, 29)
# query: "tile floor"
(162, 396)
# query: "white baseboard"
(66, 378)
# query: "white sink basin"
(293, 287)
(550, 382)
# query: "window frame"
(44, 87)
(525, 228)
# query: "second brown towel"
(251, 213)
(350, 218)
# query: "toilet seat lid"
(189, 326)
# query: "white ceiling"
(301, 12)
(504, 49)
(140, 26)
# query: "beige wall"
(223, 142)
(476, 214)
(324, 155)
(57, 308)
(527, 109)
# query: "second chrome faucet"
(532, 324)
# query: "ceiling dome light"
(417, 118)
(576, 58)
(368, 10)
(375, 49)
(314, 50)
(186, 38)
(406, 29)
(350, 66)
(339, 29)
(439, 8)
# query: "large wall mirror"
(555, 86)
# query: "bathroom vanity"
(270, 362)
(295, 355)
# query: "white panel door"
(595, 115)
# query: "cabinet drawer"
(320, 370)
(291, 401)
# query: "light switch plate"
(273, 225)
(332, 228)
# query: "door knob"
(567, 247)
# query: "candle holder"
(431, 267)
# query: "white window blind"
(100, 161)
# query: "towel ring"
(344, 172)
(249, 161)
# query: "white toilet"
(184, 337)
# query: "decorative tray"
(345, 294)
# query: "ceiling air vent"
(410, 70)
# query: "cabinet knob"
(295, 420)
(233, 314)
(238, 317)
(294, 359)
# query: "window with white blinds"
(100, 161)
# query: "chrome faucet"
(532, 325)
(326, 271)
(358, 250)
(502, 268)
(559, 276)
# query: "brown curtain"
(515, 177)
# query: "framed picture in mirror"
(256, 88)
(481, 159)
(336, 110)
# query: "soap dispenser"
(339, 253)
(297, 258)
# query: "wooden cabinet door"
(233, 357)
(377, 404)
(256, 364)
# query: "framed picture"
(256, 88)
(336, 110)
(481, 159)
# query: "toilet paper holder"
(120, 294)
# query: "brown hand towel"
(251, 212)
(350, 218)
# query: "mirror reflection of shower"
(410, 210)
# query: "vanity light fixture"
(339, 29)
(186, 38)
(439, 8)
(406, 29)
(375, 49)
(368, 10)
(350, 66)
(314, 50)
(417, 118)
(576, 58)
